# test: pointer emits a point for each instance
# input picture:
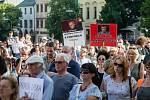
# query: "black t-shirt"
(97, 80)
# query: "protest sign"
(31, 87)
(103, 34)
(73, 33)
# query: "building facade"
(27, 21)
(14, 2)
(90, 11)
(41, 9)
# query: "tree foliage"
(145, 18)
(60, 10)
(9, 16)
(122, 12)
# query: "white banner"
(72, 39)
(31, 87)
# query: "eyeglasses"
(101, 59)
(84, 72)
(119, 65)
(58, 62)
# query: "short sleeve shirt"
(93, 90)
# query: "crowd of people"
(76, 73)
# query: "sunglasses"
(84, 72)
(132, 48)
(58, 62)
(119, 65)
(101, 59)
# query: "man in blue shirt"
(63, 81)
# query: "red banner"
(103, 35)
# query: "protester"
(36, 68)
(56, 46)
(63, 81)
(16, 46)
(136, 68)
(10, 38)
(83, 56)
(112, 53)
(21, 67)
(101, 58)
(3, 68)
(8, 88)
(73, 66)
(141, 42)
(92, 54)
(7, 48)
(144, 86)
(50, 57)
(118, 85)
(87, 90)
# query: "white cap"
(34, 59)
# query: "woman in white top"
(117, 85)
(87, 90)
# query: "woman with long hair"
(118, 85)
(136, 68)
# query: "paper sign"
(103, 35)
(73, 33)
(31, 87)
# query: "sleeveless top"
(135, 71)
(118, 91)
(143, 93)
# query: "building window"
(41, 23)
(46, 5)
(37, 23)
(95, 12)
(37, 8)
(25, 10)
(30, 10)
(25, 24)
(81, 12)
(45, 23)
(87, 13)
(31, 24)
(41, 7)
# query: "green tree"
(122, 12)
(9, 17)
(145, 18)
(60, 10)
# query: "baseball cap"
(34, 59)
